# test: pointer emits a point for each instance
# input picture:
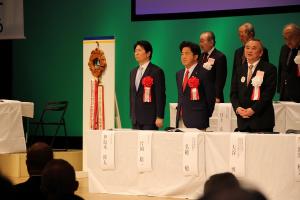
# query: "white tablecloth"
(287, 116)
(292, 115)
(166, 179)
(270, 163)
(11, 126)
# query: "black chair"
(52, 115)
(292, 131)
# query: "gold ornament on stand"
(97, 62)
(97, 65)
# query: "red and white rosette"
(209, 64)
(193, 83)
(256, 83)
(147, 83)
(297, 61)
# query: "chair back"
(292, 131)
(54, 111)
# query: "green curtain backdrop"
(47, 65)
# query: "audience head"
(38, 155)
(220, 182)
(58, 178)
(253, 50)
(207, 41)
(256, 195)
(246, 32)
(291, 35)
(190, 53)
(6, 188)
(142, 51)
(234, 194)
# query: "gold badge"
(97, 62)
(243, 79)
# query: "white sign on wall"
(11, 19)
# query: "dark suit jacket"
(238, 58)
(288, 82)
(195, 114)
(219, 71)
(144, 112)
(30, 189)
(240, 95)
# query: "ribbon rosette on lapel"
(194, 84)
(147, 83)
(256, 83)
(209, 64)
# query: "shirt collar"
(210, 51)
(144, 66)
(191, 69)
(254, 64)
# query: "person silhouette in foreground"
(59, 181)
(38, 155)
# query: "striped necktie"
(249, 75)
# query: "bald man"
(288, 70)
(252, 89)
(246, 32)
(215, 62)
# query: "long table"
(287, 116)
(269, 164)
(11, 126)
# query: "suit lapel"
(244, 74)
(201, 58)
(195, 71)
(181, 74)
(180, 80)
(213, 53)
(134, 74)
(133, 78)
(258, 67)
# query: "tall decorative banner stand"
(98, 85)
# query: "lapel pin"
(243, 79)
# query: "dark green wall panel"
(48, 64)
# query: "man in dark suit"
(246, 32)
(196, 92)
(215, 62)
(38, 155)
(147, 90)
(288, 70)
(252, 90)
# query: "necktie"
(243, 58)
(249, 75)
(289, 57)
(204, 59)
(185, 79)
(138, 77)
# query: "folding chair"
(52, 115)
